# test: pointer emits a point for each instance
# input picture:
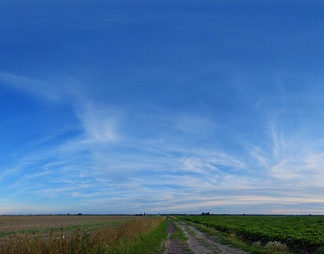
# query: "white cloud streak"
(105, 165)
(36, 87)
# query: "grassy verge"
(150, 242)
(135, 236)
(178, 235)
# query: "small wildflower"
(276, 246)
(258, 244)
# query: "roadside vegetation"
(266, 234)
(131, 236)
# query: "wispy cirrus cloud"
(134, 108)
(104, 163)
(100, 122)
(41, 89)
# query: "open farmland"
(227, 234)
(81, 234)
(297, 234)
(37, 223)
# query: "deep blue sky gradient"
(160, 106)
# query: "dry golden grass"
(121, 238)
(37, 222)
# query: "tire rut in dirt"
(173, 246)
(171, 228)
(201, 243)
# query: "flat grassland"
(12, 224)
(81, 234)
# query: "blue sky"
(161, 106)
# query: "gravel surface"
(198, 242)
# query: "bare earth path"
(198, 242)
(172, 246)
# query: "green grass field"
(288, 233)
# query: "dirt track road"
(197, 243)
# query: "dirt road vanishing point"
(197, 243)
